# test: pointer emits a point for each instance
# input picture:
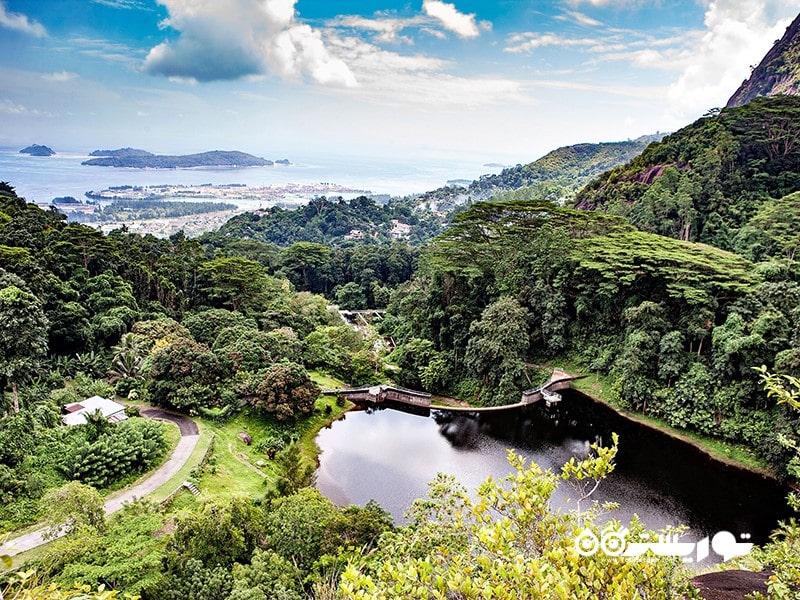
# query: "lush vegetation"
(167, 321)
(120, 210)
(646, 292)
(355, 276)
(557, 176)
(675, 325)
(331, 220)
(711, 181)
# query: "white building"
(400, 230)
(75, 413)
(355, 234)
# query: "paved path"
(190, 435)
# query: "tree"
(350, 296)
(268, 576)
(294, 471)
(23, 337)
(307, 265)
(777, 227)
(127, 359)
(497, 346)
(206, 325)
(284, 390)
(236, 283)
(182, 374)
(302, 527)
(71, 506)
(782, 554)
(506, 544)
(219, 533)
(128, 556)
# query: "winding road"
(190, 435)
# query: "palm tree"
(127, 359)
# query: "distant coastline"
(142, 159)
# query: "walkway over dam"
(378, 394)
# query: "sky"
(502, 81)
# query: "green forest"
(149, 209)
(673, 278)
(330, 220)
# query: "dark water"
(390, 455)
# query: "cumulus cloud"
(231, 39)
(451, 19)
(738, 33)
(20, 22)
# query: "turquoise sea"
(40, 179)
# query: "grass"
(325, 381)
(233, 467)
(161, 493)
(599, 387)
(321, 418)
(230, 468)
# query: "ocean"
(40, 179)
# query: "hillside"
(556, 176)
(335, 221)
(141, 159)
(778, 72)
(708, 180)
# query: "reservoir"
(390, 455)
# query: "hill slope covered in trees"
(556, 176)
(708, 181)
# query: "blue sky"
(503, 81)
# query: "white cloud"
(106, 50)
(600, 3)
(387, 29)
(579, 18)
(59, 76)
(124, 4)
(401, 80)
(451, 19)
(529, 41)
(738, 34)
(10, 107)
(20, 22)
(232, 39)
(434, 33)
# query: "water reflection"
(391, 456)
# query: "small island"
(37, 150)
(142, 159)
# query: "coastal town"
(242, 195)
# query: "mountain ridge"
(778, 73)
(558, 175)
